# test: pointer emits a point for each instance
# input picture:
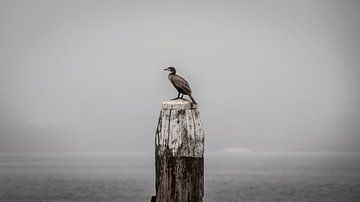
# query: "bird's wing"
(181, 83)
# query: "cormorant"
(181, 85)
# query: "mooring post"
(179, 153)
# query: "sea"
(229, 177)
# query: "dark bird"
(181, 85)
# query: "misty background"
(268, 75)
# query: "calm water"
(252, 176)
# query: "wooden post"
(179, 153)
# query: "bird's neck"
(172, 73)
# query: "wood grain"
(179, 153)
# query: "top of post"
(178, 104)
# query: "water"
(251, 176)
(284, 177)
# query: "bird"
(181, 85)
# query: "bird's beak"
(165, 69)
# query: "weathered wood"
(179, 153)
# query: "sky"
(85, 75)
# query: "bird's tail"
(192, 99)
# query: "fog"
(268, 75)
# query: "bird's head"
(170, 69)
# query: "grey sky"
(268, 75)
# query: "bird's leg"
(182, 96)
(176, 97)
